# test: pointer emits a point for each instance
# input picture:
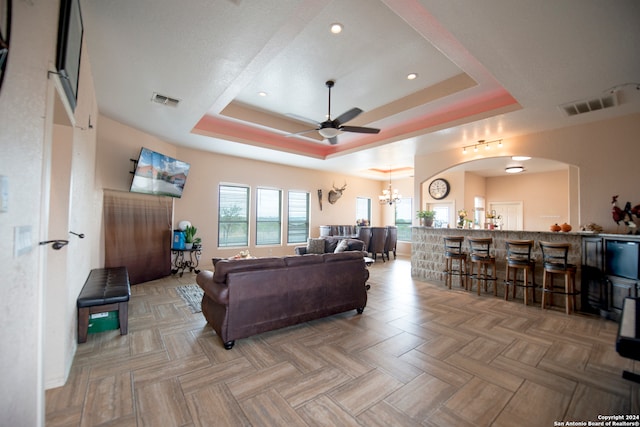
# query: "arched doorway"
(532, 200)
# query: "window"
(443, 215)
(268, 216)
(363, 210)
(404, 218)
(233, 218)
(298, 220)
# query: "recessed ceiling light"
(336, 28)
(520, 158)
(514, 169)
(412, 76)
(262, 93)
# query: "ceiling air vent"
(165, 100)
(587, 105)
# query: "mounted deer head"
(336, 193)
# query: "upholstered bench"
(106, 289)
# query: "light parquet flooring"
(419, 355)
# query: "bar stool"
(453, 252)
(480, 254)
(554, 258)
(519, 258)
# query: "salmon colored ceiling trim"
(469, 108)
(489, 99)
(247, 113)
(433, 93)
(387, 171)
(216, 127)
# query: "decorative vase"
(428, 222)
(565, 227)
(555, 228)
(188, 246)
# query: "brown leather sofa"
(249, 296)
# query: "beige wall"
(474, 186)
(38, 302)
(22, 105)
(544, 197)
(601, 155)
(117, 143)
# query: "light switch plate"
(22, 240)
(4, 193)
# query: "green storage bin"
(100, 322)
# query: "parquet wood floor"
(420, 355)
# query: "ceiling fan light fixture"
(330, 129)
(514, 169)
(328, 132)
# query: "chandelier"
(389, 196)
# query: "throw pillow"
(330, 244)
(315, 246)
(342, 246)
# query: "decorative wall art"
(336, 193)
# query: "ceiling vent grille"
(588, 105)
(164, 100)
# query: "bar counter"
(427, 253)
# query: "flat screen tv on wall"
(70, 31)
(158, 174)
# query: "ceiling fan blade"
(333, 140)
(302, 119)
(348, 115)
(358, 129)
(302, 132)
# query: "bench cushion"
(105, 286)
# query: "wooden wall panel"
(138, 234)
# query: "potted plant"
(189, 235)
(197, 243)
(426, 217)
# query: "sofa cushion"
(292, 261)
(226, 266)
(315, 246)
(342, 256)
(330, 244)
(342, 246)
(356, 245)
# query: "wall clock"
(439, 188)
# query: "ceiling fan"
(329, 129)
